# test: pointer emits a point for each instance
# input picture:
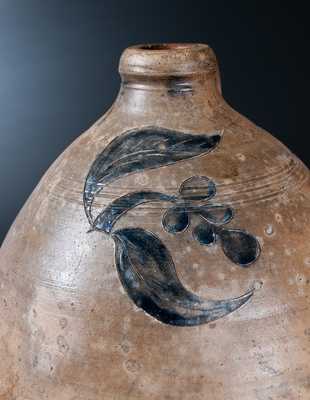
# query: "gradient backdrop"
(58, 71)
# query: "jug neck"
(168, 75)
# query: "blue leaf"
(142, 149)
(148, 274)
(108, 217)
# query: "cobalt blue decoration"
(148, 274)
(142, 149)
(145, 266)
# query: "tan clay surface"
(68, 329)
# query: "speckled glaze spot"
(62, 344)
(258, 285)
(278, 218)
(125, 347)
(300, 279)
(132, 366)
(241, 157)
(269, 230)
(63, 322)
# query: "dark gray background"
(58, 71)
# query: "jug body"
(164, 254)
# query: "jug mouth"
(168, 46)
(162, 59)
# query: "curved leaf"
(148, 274)
(142, 149)
(239, 246)
(108, 217)
(175, 219)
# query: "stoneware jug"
(164, 255)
